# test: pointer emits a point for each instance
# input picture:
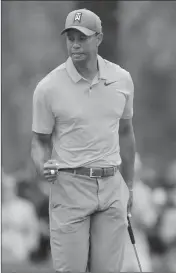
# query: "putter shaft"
(133, 242)
(139, 264)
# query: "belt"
(92, 172)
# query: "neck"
(87, 69)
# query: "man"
(82, 110)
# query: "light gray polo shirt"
(83, 118)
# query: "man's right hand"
(50, 170)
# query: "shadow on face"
(81, 47)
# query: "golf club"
(133, 241)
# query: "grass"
(26, 268)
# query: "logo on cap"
(78, 16)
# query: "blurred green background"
(139, 36)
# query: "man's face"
(81, 47)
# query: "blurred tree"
(31, 47)
(147, 48)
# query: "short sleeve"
(42, 116)
(129, 86)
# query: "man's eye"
(83, 38)
(70, 39)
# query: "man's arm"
(41, 149)
(127, 150)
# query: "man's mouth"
(77, 54)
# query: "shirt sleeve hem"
(126, 117)
(42, 131)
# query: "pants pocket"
(124, 196)
(58, 194)
(124, 185)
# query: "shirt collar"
(76, 77)
(102, 68)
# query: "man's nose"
(76, 44)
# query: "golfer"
(83, 143)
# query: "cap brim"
(84, 30)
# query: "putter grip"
(130, 231)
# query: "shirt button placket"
(90, 89)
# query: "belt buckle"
(91, 174)
(114, 170)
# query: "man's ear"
(99, 38)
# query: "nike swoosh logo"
(108, 83)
